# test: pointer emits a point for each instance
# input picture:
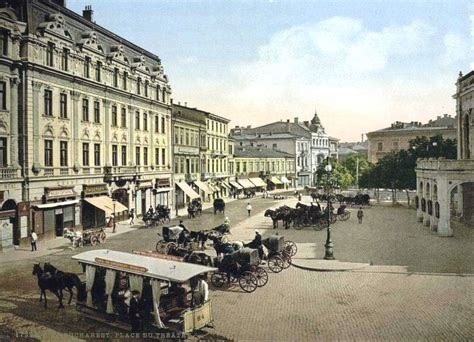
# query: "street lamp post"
(329, 246)
(114, 202)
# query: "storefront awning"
(106, 204)
(187, 190)
(225, 185)
(258, 182)
(216, 188)
(203, 186)
(275, 181)
(56, 205)
(212, 187)
(246, 184)
(236, 185)
(284, 179)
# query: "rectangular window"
(379, 146)
(48, 102)
(85, 110)
(97, 154)
(98, 72)
(65, 60)
(116, 77)
(157, 123)
(114, 116)
(123, 117)
(125, 76)
(137, 120)
(163, 156)
(176, 136)
(145, 156)
(3, 95)
(163, 125)
(124, 155)
(85, 154)
(137, 155)
(96, 111)
(48, 153)
(146, 88)
(145, 121)
(87, 67)
(176, 165)
(157, 156)
(187, 137)
(163, 95)
(139, 86)
(158, 92)
(114, 155)
(63, 153)
(395, 145)
(3, 152)
(63, 105)
(4, 42)
(50, 55)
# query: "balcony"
(9, 173)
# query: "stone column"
(107, 127)
(444, 227)
(75, 129)
(14, 122)
(36, 128)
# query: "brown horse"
(47, 281)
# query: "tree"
(357, 164)
(339, 174)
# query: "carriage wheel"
(286, 258)
(320, 225)
(345, 216)
(291, 247)
(248, 282)
(94, 240)
(262, 276)
(275, 264)
(333, 219)
(169, 246)
(160, 246)
(102, 237)
(218, 279)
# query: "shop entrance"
(59, 224)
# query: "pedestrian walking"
(249, 208)
(33, 238)
(299, 197)
(131, 216)
(360, 215)
(134, 312)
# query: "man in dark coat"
(134, 312)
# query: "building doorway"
(59, 223)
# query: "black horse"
(67, 281)
(48, 281)
(221, 247)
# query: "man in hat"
(256, 243)
(134, 311)
(249, 208)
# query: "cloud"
(359, 79)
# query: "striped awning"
(106, 204)
(236, 185)
(258, 182)
(187, 190)
(246, 184)
(275, 181)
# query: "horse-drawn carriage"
(160, 215)
(89, 236)
(242, 267)
(171, 237)
(219, 205)
(195, 208)
(279, 257)
(169, 295)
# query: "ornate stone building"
(85, 113)
(445, 188)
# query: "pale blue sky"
(362, 64)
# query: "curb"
(318, 265)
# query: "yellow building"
(86, 114)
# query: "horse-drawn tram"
(169, 293)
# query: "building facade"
(445, 188)
(398, 135)
(86, 114)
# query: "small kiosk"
(169, 290)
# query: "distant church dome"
(316, 123)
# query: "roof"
(412, 129)
(265, 136)
(281, 127)
(259, 152)
(346, 150)
(156, 268)
(192, 114)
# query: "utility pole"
(357, 172)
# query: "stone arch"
(97, 135)
(420, 188)
(435, 192)
(9, 204)
(48, 130)
(114, 138)
(85, 134)
(428, 188)
(124, 138)
(64, 132)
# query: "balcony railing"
(9, 173)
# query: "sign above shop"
(163, 183)
(145, 185)
(59, 192)
(95, 189)
(121, 265)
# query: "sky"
(360, 64)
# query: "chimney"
(249, 126)
(185, 104)
(362, 137)
(87, 13)
(288, 120)
(179, 103)
(296, 120)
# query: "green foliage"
(340, 176)
(396, 170)
(351, 164)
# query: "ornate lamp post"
(329, 245)
(114, 202)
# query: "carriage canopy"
(275, 243)
(174, 271)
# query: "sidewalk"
(59, 244)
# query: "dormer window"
(50, 55)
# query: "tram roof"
(175, 271)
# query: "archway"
(9, 205)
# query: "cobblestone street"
(420, 287)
